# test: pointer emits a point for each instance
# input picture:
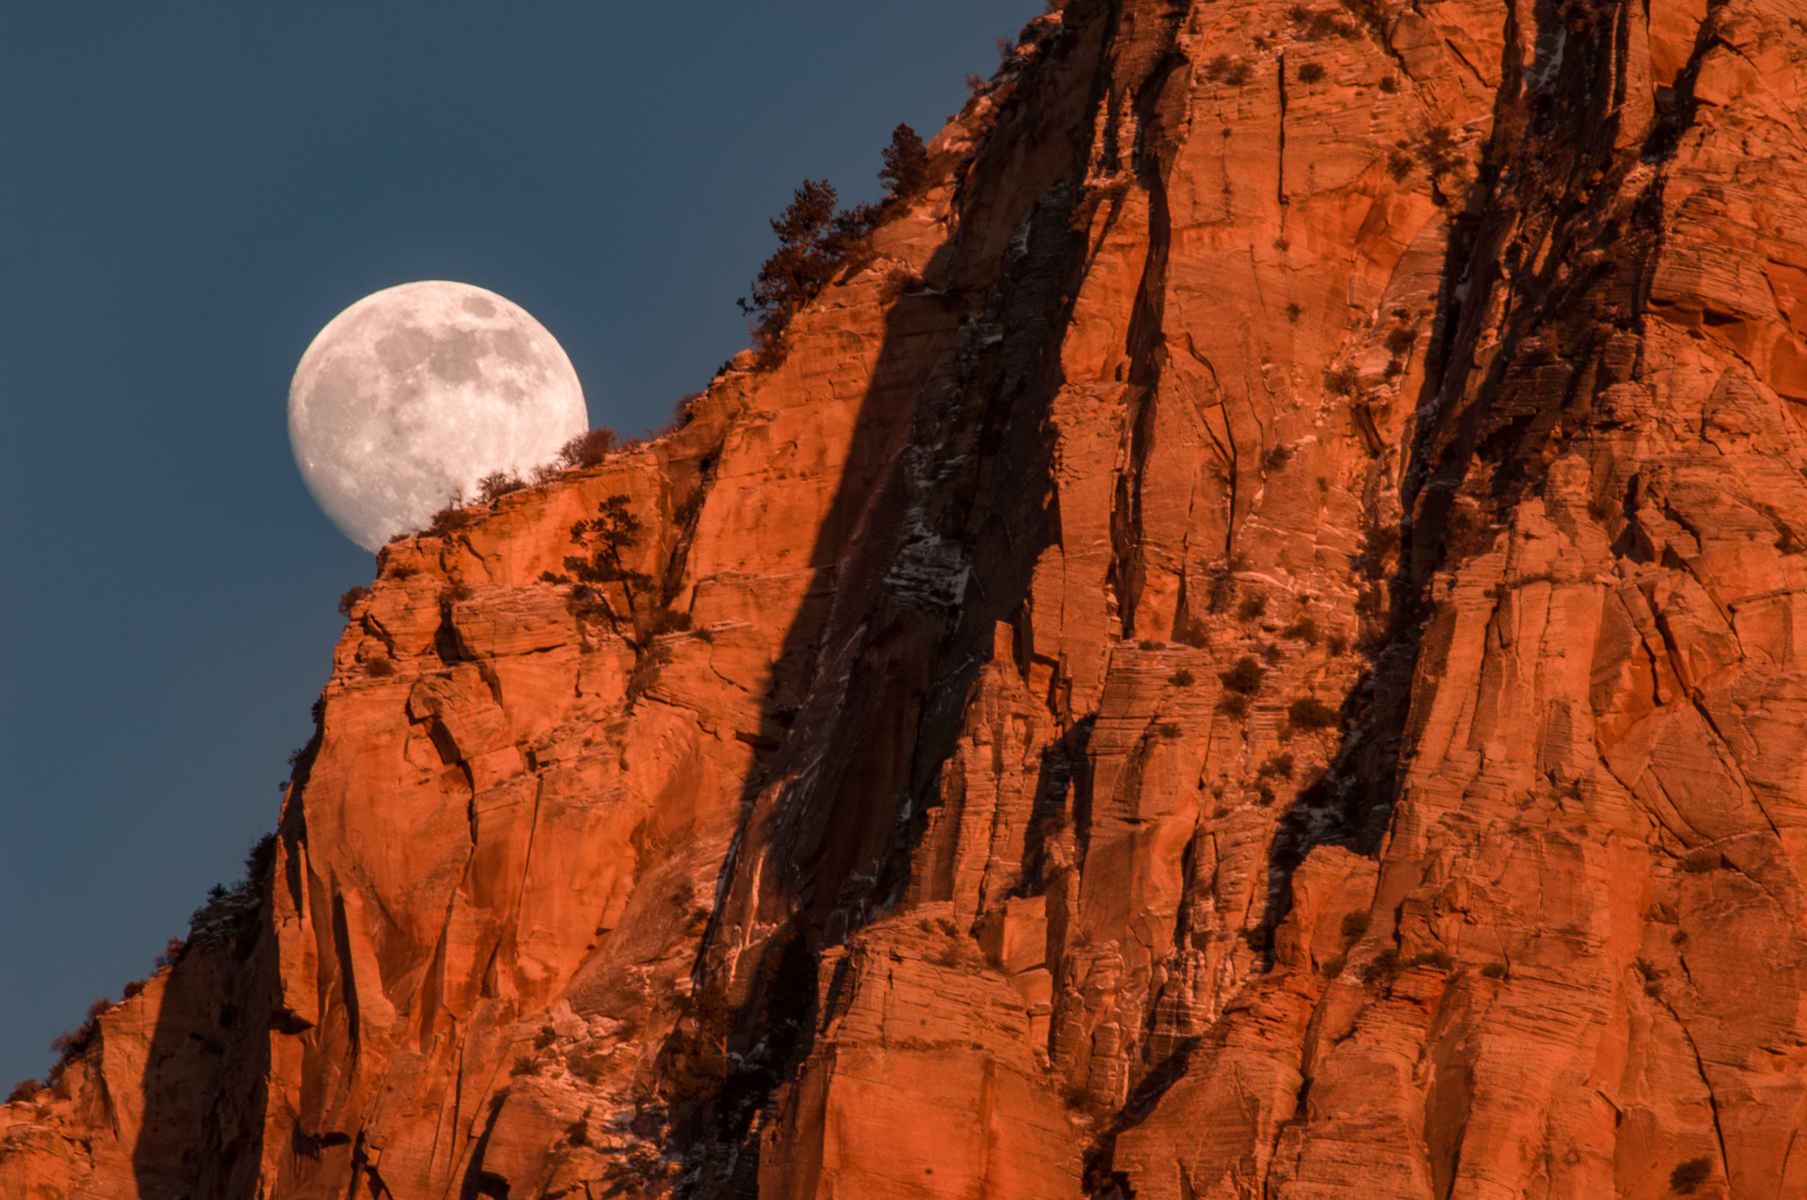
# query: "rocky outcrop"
(1248, 648)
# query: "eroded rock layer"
(1253, 646)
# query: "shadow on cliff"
(1351, 805)
(930, 540)
(1551, 171)
(833, 847)
(205, 1066)
(205, 1081)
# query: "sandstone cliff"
(1255, 648)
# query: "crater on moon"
(419, 391)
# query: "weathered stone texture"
(1254, 647)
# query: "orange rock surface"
(1257, 646)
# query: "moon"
(417, 392)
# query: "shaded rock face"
(1253, 648)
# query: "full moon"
(419, 391)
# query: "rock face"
(1255, 646)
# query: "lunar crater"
(421, 390)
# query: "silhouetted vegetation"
(1181, 678)
(906, 170)
(681, 414)
(1687, 1177)
(1220, 583)
(1225, 69)
(1280, 766)
(1310, 73)
(1244, 678)
(815, 243)
(818, 242)
(1699, 862)
(608, 539)
(350, 597)
(1436, 148)
(666, 620)
(1372, 13)
(453, 517)
(25, 1089)
(69, 1045)
(1304, 629)
(588, 449)
(1383, 968)
(1438, 958)
(172, 953)
(1309, 712)
(260, 860)
(608, 536)
(1315, 25)
(497, 484)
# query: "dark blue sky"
(188, 193)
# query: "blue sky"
(189, 192)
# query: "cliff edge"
(1252, 646)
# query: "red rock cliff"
(1255, 648)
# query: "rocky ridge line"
(1249, 650)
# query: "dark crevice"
(1503, 421)
(844, 836)
(1280, 172)
(477, 1182)
(1063, 794)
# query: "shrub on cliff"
(1244, 678)
(814, 244)
(1687, 1177)
(606, 538)
(588, 449)
(1304, 629)
(906, 171)
(453, 517)
(497, 484)
(71, 1044)
(259, 861)
(173, 950)
(1309, 712)
(817, 241)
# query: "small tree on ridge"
(906, 171)
(608, 537)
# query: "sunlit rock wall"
(1250, 647)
